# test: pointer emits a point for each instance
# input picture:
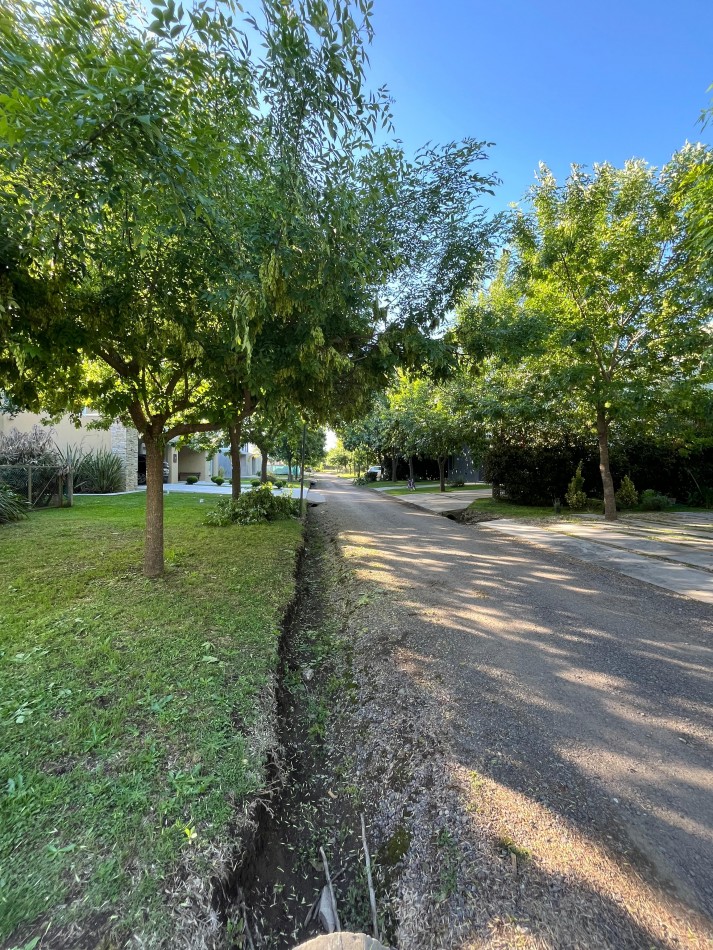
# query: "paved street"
(673, 550)
(568, 683)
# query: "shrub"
(627, 496)
(595, 505)
(12, 507)
(23, 448)
(217, 479)
(701, 498)
(456, 481)
(255, 482)
(575, 496)
(100, 473)
(70, 457)
(280, 483)
(651, 500)
(191, 479)
(254, 507)
(270, 477)
(359, 480)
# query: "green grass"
(429, 487)
(131, 732)
(506, 509)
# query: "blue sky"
(550, 81)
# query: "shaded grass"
(133, 713)
(429, 487)
(507, 509)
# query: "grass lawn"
(506, 509)
(401, 489)
(134, 715)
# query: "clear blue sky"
(558, 81)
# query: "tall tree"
(154, 244)
(601, 305)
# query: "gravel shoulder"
(532, 737)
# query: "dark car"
(141, 478)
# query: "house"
(122, 441)
(125, 442)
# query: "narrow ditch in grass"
(280, 874)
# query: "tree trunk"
(263, 467)
(442, 471)
(153, 551)
(235, 430)
(410, 467)
(394, 465)
(607, 480)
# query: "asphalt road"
(589, 691)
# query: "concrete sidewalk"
(601, 548)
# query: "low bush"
(279, 483)
(575, 496)
(24, 448)
(456, 481)
(255, 482)
(253, 507)
(627, 496)
(701, 498)
(99, 473)
(217, 479)
(651, 500)
(12, 507)
(595, 505)
(359, 480)
(191, 479)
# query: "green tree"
(156, 245)
(431, 424)
(600, 310)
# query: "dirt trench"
(271, 900)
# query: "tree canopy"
(600, 309)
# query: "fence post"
(29, 485)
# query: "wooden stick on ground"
(372, 895)
(247, 926)
(331, 889)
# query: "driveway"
(575, 691)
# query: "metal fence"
(44, 486)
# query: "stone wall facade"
(125, 444)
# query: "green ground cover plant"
(134, 714)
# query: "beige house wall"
(193, 463)
(65, 432)
(117, 439)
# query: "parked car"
(141, 477)
(373, 474)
